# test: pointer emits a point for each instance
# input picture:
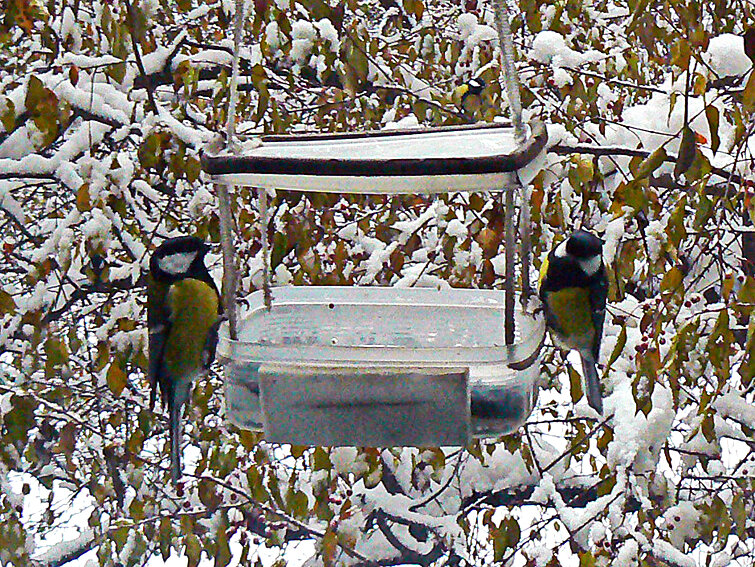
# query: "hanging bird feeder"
(377, 366)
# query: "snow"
(457, 228)
(549, 47)
(272, 36)
(627, 554)
(612, 236)
(472, 33)
(69, 29)
(666, 552)
(303, 36)
(17, 144)
(329, 34)
(726, 56)
(638, 440)
(681, 521)
(733, 405)
(97, 103)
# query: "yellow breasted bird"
(183, 315)
(574, 290)
(468, 97)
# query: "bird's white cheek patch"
(177, 264)
(561, 250)
(591, 265)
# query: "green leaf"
(223, 554)
(135, 442)
(193, 550)
(208, 494)
(166, 537)
(8, 115)
(298, 503)
(575, 382)
(587, 559)
(619, 348)
(672, 280)
(192, 169)
(321, 460)
(748, 95)
(651, 163)
(329, 546)
(581, 171)
(739, 515)
(57, 355)
(42, 104)
(703, 211)
(20, 419)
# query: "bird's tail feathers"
(592, 382)
(174, 423)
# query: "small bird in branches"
(469, 98)
(574, 291)
(184, 313)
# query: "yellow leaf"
(711, 113)
(116, 379)
(748, 95)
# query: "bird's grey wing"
(158, 324)
(598, 299)
(592, 382)
(211, 344)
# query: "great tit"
(183, 315)
(574, 289)
(468, 97)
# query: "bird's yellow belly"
(194, 310)
(572, 310)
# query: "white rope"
(230, 273)
(230, 276)
(237, 35)
(506, 45)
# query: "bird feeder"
(380, 366)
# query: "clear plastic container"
(366, 355)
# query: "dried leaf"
(83, 202)
(687, 150)
(750, 43)
(7, 305)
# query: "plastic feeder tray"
(423, 160)
(372, 366)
